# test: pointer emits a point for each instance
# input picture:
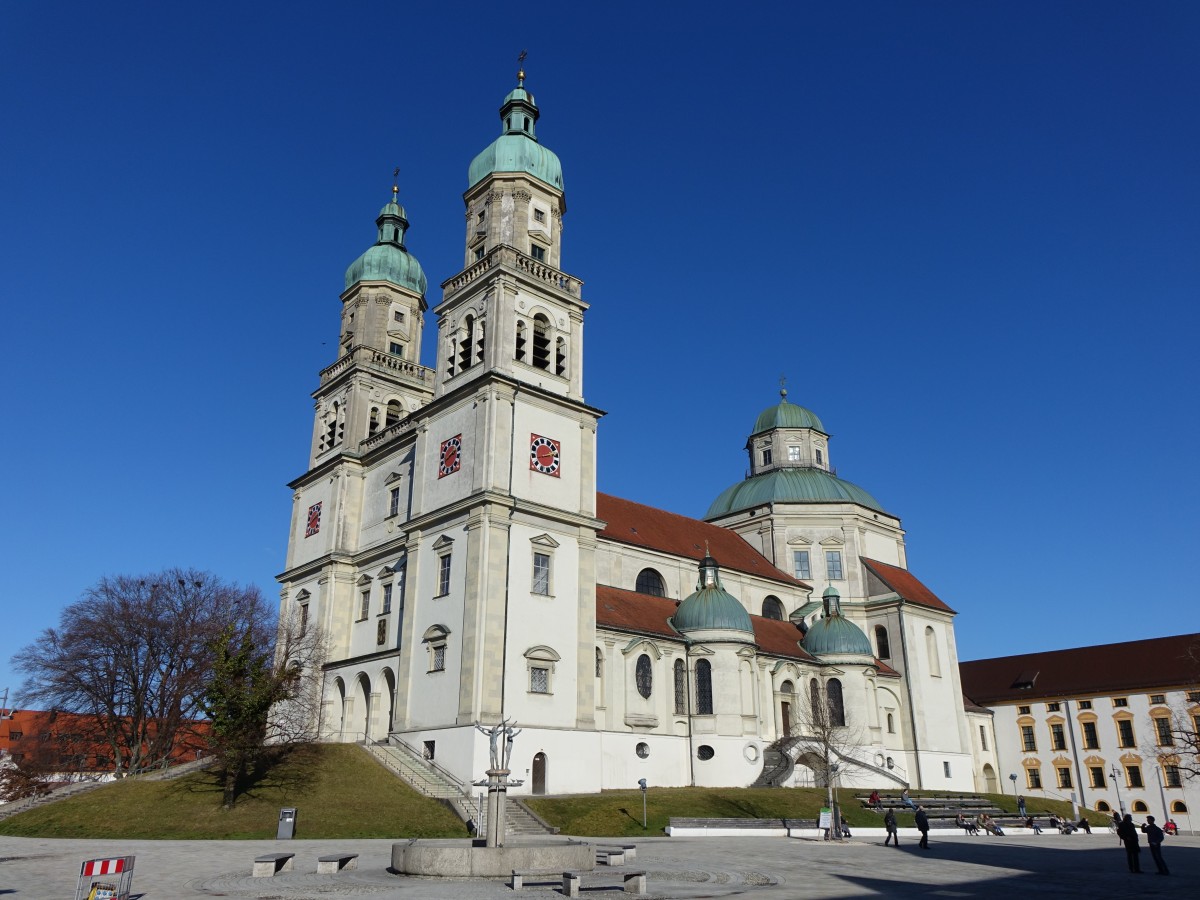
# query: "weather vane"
(783, 386)
(521, 68)
(395, 182)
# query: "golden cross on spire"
(521, 68)
(783, 387)
(395, 183)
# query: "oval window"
(705, 752)
(643, 750)
(644, 675)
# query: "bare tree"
(826, 739)
(1185, 728)
(135, 654)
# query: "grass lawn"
(619, 813)
(339, 790)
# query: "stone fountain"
(490, 857)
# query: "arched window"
(466, 355)
(815, 702)
(680, 688)
(931, 650)
(373, 425)
(644, 675)
(519, 353)
(883, 647)
(1102, 806)
(837, 710)
(891, 724)
(541, 342)
(704, 700)
(787, 688)
(560, 356)
(1178, 806)
(393, 413)
(1140, 806)
(772, 608)
(599, 663)
(650, 582)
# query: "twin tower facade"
(449, 541)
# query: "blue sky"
(966, 232)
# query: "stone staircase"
(521, 821)
(779, 762)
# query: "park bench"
(630, 849)
(332, 863)
(631, 883)
(270, 864)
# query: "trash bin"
(287, 824)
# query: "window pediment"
(544, 540)
(443, 543)
(393, 477)
(363, 579)
(542, 653)
(303, 595)
(800, 541)
(638, 643)
(832, 542)
(435, 633)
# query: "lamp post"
(642, 785)
(1013, 778)
(835, 806)
(1117, 785)
(1162, 793)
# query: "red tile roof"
(904, 583)
(779, 638)
(1104, 669)
(885, 669)
(656, 529)
(631, 611)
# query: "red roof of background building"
(1104, 669)
(905, 583)
(631, 611)
(656, 529)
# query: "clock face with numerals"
(450, 460)
(544, 455)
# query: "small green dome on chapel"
(786, 415)
(833, 633)
(789, 486)
(711, 606)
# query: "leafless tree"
(826, 739)
(134, 653)
(1185, 727)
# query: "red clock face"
(544, 455)
(450, 460)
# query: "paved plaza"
(955, 866)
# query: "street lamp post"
(642, 785)
(1117, 785)
(1162, 793)
(1013, 778)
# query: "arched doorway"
(361, 725)
(990, 784)
(389, 683)
(340, 698)
(539, 773)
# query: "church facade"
(449, 540)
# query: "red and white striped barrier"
(115, 868)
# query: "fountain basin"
(457, 859)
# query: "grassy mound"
(338, 789)
(619, 813)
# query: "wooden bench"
(333, 863)
(630, 849)
(270, 864)
(519, 876)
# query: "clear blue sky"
(967, 232)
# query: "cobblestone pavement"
(768, 868)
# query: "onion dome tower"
(711, 608)
(389, 260)
(833, 634)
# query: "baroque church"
(449, 540)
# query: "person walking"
(1154, 837)
(923, 827)
(889, 824)
(1021, 808)
(1128, 834)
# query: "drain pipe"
(912, 713)
(1075, 755)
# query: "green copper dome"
(388, 260)
(833, 633)
(786, 415)
(711, 606)
(791, 485)
(517, 149)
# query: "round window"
(705, 752)
(643, 750)
(751, 753)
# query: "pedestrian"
(1085, 824)
(1030, 822)
(874, 800)
(1170, 827)
(1127, 832)
(1021, 807)
(923, 827)
(907, 800)
(1154, 837)
(889, 824)
(846, 828)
